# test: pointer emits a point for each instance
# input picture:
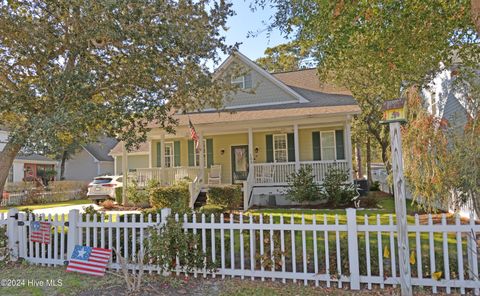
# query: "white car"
(103, 187)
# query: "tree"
(284, 57)
(77, 68)
(377, 49)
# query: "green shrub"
(118, 195)
(211, 209)
(172, 242)
(175, 197)
(368, 202)
(302, 186)
(229, 197)
(336, 188)
(138, 196)
(375, 186)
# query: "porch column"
(162, 160)
(348, 147)
(201, 157)
(150, 154)
(250, 148)
(297, 147)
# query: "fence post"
(12, 230)
(72, 236)
(22, 243)
(164, 213)
(353, 249)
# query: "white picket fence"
(326, 250)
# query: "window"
(197, 154)
(243, 82)
(169, 155)
(327, 145)
(280, 149)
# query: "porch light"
(222, 152)
(256, 149)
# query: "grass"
(70, 284)
(50, 205)
(32, 280)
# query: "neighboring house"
(91, 161)
(445, 101)
(290, 121)
(26, 167)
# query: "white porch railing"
(320, 168)
(166, 176)
(194, 188)
(277, 173)
(247, 191)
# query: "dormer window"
(243, 82)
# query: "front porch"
(255, 158)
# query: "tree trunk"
(62, 165)
(369, 163)
(475, 10)
(358, 158)
(7, 155)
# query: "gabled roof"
(308, 79)
(33, 157)
(261, 71)
(100, 150)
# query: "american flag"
(193, 134)
(89, 260)
(40, 232)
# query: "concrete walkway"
(81, 208)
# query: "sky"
(246, 21)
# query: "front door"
(239, 163)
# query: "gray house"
(446, 101)
(91, 161)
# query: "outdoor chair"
(215, 175)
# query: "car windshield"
(102, 180)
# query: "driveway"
(66, 209)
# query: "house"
(282, 122)
(91, 160)
(27, 167)
(444, 100)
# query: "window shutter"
(316, 146)
(191, 153)
(340, 147)
(291, 147)
(176, 153)
(248, 80)
(159, 155)
(269, 146)
(209, 152)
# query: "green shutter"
(176, 153)
(269, 145)
(291, 147)
(191, 153)
(159, 154)
(209, 152)
(339, 144)
(316, 146)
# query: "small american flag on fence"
(40, 232)
(89, 260)
(193, 134)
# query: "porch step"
(201, 200)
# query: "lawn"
(37, 280)
(50, 205)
